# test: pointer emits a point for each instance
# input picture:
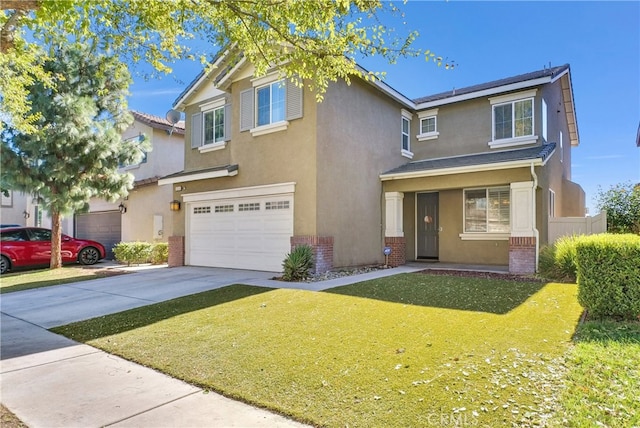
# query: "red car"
(31, 246)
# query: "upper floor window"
(428, 125)
(135, 141)
(487, 210)
(405, 134)
(214, 126)
(210, 128)
(513, 119)
(269, 105)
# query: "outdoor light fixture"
(174, 205)
(122, 208)
(26, 214)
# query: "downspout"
(536, 232)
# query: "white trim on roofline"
(242, 192)
(462, 169)
(198, 176)
(484, 93)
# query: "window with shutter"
(196, 130)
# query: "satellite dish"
(173, 116)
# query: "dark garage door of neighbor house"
(104, 227)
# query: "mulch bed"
(476, 274)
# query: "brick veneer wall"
(522, 255)
(398, 247)
(176, 251)
(322, 250)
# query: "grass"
(26, 280)
(407, 350)
(603, 382)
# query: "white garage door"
(242, 233)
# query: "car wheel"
(4, 264)
(89, 256)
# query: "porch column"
(524, 235)
(393, 232)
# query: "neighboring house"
(22, 209)
(145, 214)
(468, 176)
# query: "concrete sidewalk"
(50, 381)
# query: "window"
(405, 129)
(279, 205)
(270, 104)
(487, 210)
(136, 141)
(428, 125)
(252, 206)
(214, 126)
(224, 208)
(552, 203)
(210, 128)
(405, 134)
(513, 119)
(202, 210)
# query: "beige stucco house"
(145, 214)
(469, 176)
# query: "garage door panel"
(243, 234)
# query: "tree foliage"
(317, 40)
(76, 150)
(622, 203)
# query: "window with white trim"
(487, 210)
(552, 203)
(512, 118)
(270, 103)
(428, 125)
(405, 130)
(214, 126)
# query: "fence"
(562, 226)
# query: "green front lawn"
(26, 280)
(407, 350)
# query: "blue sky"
(493, 40)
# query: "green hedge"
(141, 252)
(557, 262)
(608, 268)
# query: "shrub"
(141, 252)
(159, 253)
(298, 263)
(557, 262)
(609, 275)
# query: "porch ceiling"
(472, 163)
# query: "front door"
(427, 226)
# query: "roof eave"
(485, 92)
(227, 172)
(496, 166)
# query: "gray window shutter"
(246, 110)
(227, 122)
(294, 101)
(196, 130)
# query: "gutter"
(536, 232)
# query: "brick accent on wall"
(322, 250)
(176, 251)
(522, 254)
(398, 247)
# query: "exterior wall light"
(174, 205)
(122, 208)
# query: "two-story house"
(145, 214)
(464, 177)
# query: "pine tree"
(77, 148)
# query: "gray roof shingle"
(530, 153)
(547, 72)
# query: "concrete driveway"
(50, 381)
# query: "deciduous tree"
(77, 147)
(622, 204)
(317, 40)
